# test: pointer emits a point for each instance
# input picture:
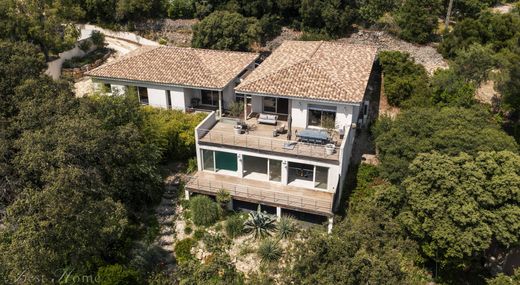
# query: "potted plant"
(235, 109)
(238, 129)
(329, 124)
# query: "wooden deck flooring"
(269, 193)
(260, 137)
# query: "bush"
(188, 230)
(223, 197)
(172, 130)
(234, 226)
(192, 165)
(98, 39)
(183, 249)
(204, 212)
(181, 9)
(117, 275)
(269, 251)
(216, 242)
(199, 234)
(403, 78)
(260, 224)
(85, 45)
(449, 89)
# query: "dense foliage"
(446, 130)
(459, 206)
(417, 20)
(403, 79)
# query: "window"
(321, 177)
(317, 114)
(209, 97)
(275, 170)
(276, 105)
(107, 88)
(226, 161)
(143, 95)
(208, 161)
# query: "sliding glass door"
(317, 114)
(276, 105)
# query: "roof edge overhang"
(133, 82)
(299, 98)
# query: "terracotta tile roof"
(177, 66)
(314, 70)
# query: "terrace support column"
(186, 194)
(278, 213)
(240, 165)
(245, 107)
(285, 172)
(220, 104)
(229, 205)
(329, 227)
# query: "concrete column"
(230, 205)
(220, 104)
(245, 107)
(285, 172)
(186, 194)
(240, 165)
(329, 227)
(278, 213)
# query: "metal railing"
(267, 144)
(262, 195)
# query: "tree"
(226, 31)
(20, 61)
(449, 89)
(368, 247)
(447, 130)
(49, 231)
(330, 17)
(403, 78)
(48, 24)
(371, 10)
(458, 206)
(475, 63)
(417, 20)
(181, 9)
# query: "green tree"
(475, 63)
(447, 130)
(371, 10)
(330, 17)
(48, 231)
(417, 20)
(449, 89)
(403, 79)
(458, 206)
(181, 9)
(20, 61)
(226, 31)
(117, 274)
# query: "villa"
(289, 146)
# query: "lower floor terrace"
(263, 192)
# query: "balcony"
(267, 193)
(259, 138)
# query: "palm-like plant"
(260, 224)
(269, 251)
(286, 227)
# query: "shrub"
(192, 165)
(269, 251)
(188, 230)
(204, 212)
(183, 249)
(98, 39)
(218, 227)
(260, 224)
(85, 45)
(234, 226)
(163, 41)
(449, 89)
(235, 109)
(216, 242)
(223, 197)
(286, 227)
(199, 234)
(181, 9)
(117, 275)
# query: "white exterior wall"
(345, 114)
(157, 98)
(299, 113)
(333, 175)
(256, 104)
(178, 98)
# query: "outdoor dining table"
(313, 136)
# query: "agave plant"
(269, 251)
(260, 224)
(286, 227)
